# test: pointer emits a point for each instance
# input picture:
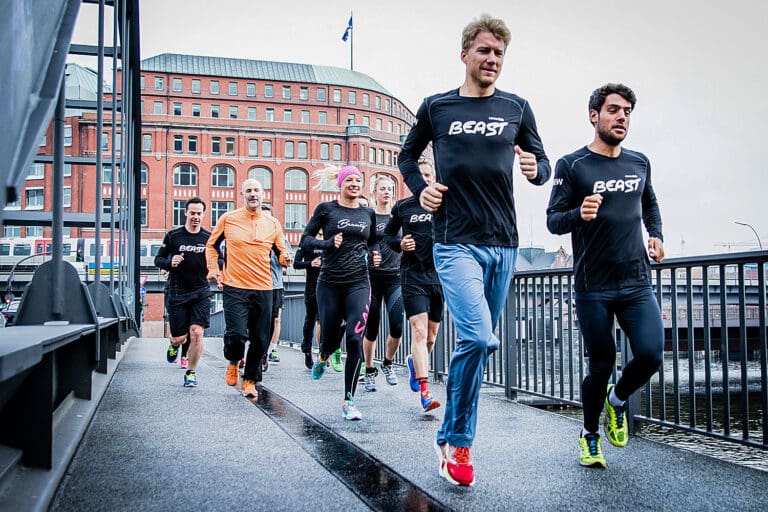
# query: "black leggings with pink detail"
(337, 304)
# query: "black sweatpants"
(248, 315)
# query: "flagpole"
(351, 42)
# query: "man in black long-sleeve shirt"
(189, 296)
(601, 194)
(476, 132)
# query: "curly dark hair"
(597, 98)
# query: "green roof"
(260, 70)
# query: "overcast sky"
(699, 70)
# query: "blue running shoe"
(172, 354)
(413, 381)
(428, 403)
(318, 369)
(190, 379)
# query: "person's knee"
(650, 358)
(196, 333)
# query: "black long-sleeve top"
(473, 141)
(347, 263)
(416, 266)
(303, 261)
(608, 251)
(190, 276)
(390, 260)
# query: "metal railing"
(713, 380)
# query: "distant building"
(208, 123)
(536, 258)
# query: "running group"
(452, 243)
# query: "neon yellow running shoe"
(336, 360)
(616, 428)
(591, 451)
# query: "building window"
(251, 113)
(350, 118)
(214, 87)
(287, 115)
(303, 150)
(34, 198)
(105, 141)
(352, 97)
(303, 93)
(214, 111)
(146, 143)
(295, 217)
(321, 94)
(68, 169)
(12, 231)
(178, 143)
(222, 176)
(177, 84)
(386, 105)
(305, 116)
(371, 155)
(229, 148)
(195, 110)
(36, 171)
(295, 179)
(67, 197)
(143, 212)
(269, 115)
(322, 117)
(268, 91)
(378, 102)
(366, 121)
(337, 152)
(366, 99)
(233, 111)
(324, 151)
(266, 148)
(289, 149)
(389, 158)
(143, 174)
(179, 207)
(196, 86)
(107, 175)
(250, 90)
(142, 84)
(233, 88)
(159, 83)
(177, 108)
(192, 144)
(253, 147)
(185, 175)
(219, 208)
(380, 160)
(337, 95)
(262, 175)
(215, 145)
(35, 231)
(286, 92)
(390, 126)
(158, 108)
(67, 134)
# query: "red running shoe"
(456, 464)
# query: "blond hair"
(485, 23)
(375, 180)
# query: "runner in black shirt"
(385, 286)
(189, 295)
(309, 261)
(422, 293)
(343, 290)
(476, 132)
(601, 195)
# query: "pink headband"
(346, 171)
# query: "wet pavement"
(154, 445)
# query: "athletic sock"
(584, 432)
(272, 346)
(423, 384)
(387, 362)
(368, 369)
(614, 400)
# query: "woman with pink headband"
(343, 288)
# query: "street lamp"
(759, 243)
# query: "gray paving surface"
(154, 445)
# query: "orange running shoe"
(231, 375)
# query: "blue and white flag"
(349, 29)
